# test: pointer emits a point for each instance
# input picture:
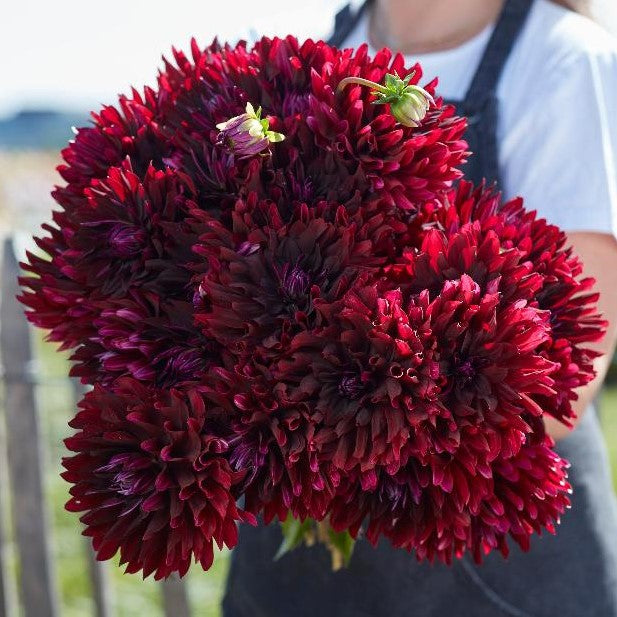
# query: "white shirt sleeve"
(558, 150)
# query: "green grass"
(130, 594)
(609, 425)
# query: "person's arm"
(598, 252)
(561, 157)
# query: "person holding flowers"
(299, 298)
(537, 82)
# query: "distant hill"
(39, 129)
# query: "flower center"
(466, 370)
(395, 493)
(295, 282)
(124, 482)
(248, 456)
(351, 386)
(295, 103)
(126, 240)
(182, 365)
(301, 190)
(130, 482)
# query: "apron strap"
(345, 21)
(506, 31)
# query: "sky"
(77, 54)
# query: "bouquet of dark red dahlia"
(266, 274)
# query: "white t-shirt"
(557, 125)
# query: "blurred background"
(59, 60)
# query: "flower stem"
(360, 82)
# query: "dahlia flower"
(151, 475)
(321, 325)
(267, 274)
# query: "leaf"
(274, 137)
(341, 545)
(294, 532)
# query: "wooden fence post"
(99, 581)
(38, 592)
(4, 493)
(175, 599)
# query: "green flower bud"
(247, 134)
(410, 108)
(409, 103)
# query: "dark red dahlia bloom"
(151, 475)
(144, 337)
(273, 442)
(406, 165)
(266, 275)
(133, 130)
(489, 339)
(454, 508)
(130, 131)
(534, 264)
(132, 245)
(358, 374)
(397, 376)
(131, 233)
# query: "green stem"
(361, 82)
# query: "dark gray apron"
(571, 574)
